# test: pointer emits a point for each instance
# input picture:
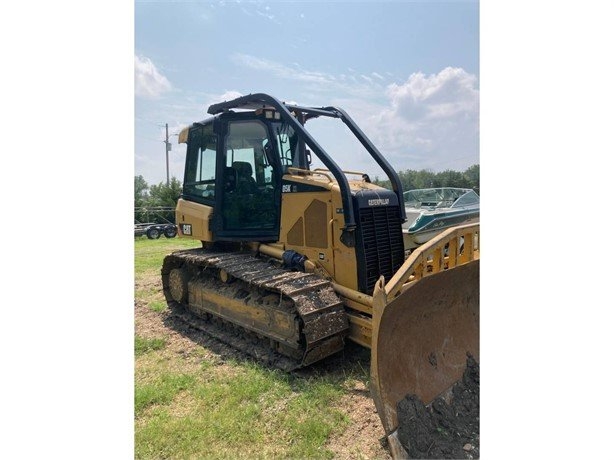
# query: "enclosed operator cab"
(235, 165)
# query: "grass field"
(193, 399)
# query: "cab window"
(199, 180)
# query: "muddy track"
(283, 318)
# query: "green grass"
(192, 404)
(149, 254)
(142, 345)
(162, 391)
(157, 305)
(251, 412)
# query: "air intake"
(379, 240)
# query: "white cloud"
(427, 122)
(227, 96)
(364, 77)
(432, 121)
(450, 93)
(148, 81)
(281, 70)
(317, 81)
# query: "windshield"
(440, 197)
(287, 144)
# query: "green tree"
(165, 195)
(424, 179)
(141, 195)
(472, 173)
(140, 191)
(449, 178)
(147, 198)
(412, 179)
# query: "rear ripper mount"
(285, 318)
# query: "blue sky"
(407, 72)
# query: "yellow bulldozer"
(296, 261)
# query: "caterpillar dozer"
(296, 261)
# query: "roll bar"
(261, 100)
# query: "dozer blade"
(421, 339)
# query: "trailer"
(157, 222)
(154, 231)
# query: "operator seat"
(230, 179)
(246, 183)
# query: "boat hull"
(433, 210)
(414, 238)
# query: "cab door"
(249, 205)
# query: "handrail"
(353, 173)
(313, 172)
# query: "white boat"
(432, 210)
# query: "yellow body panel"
(346, 273)
(297, 230)
(321, 230)
(197, 215)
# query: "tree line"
(155, 203)
(412, 179)
(152, 197)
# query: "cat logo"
(379, 202)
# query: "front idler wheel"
(178, 284)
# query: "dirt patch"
(447, 428)
(364, 436)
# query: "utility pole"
(167, 144)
